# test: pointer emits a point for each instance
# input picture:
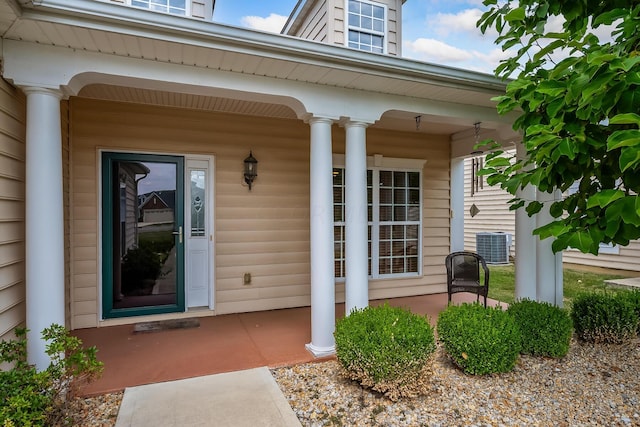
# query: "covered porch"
(223, 343)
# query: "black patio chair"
(463, 274)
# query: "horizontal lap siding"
(495, 216)
(315, 24)
(264, 232)
(628, 258)
(12, 231)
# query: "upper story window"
(367, 23)
(174, 7)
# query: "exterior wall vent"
(493, 247)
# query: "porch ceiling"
(391, 120)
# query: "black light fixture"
(250, 169)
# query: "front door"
(143, 235)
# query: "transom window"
(394, 219)
(366, 26)
(175, 7)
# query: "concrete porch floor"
(220, 344)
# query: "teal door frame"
(108, 182)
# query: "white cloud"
(433, 50)
(463, 21)
(438, 52)
(272, 23)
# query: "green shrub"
(604, 317)
(386, 348)
(633, 296)
(32, 398)
(479, 340)
(546, 329)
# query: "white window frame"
(376, 164)
(384, 33)
(161, 4)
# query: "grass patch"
(502, 283)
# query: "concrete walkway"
(631, 282)
(236, 399)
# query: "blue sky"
(435, 31)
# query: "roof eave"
(134, 21)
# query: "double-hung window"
(394, 221)
(366, 25)
(174, 7)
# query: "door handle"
(178, 233)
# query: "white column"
(44, 220)
(525, 263)
(457, 204)
(548, 265)
(322, 255)
(356, 241)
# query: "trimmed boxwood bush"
(604, 317)
(634, 298)
(479, 340)
(386, 348)
(546, 329)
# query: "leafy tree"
(576, 85)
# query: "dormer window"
(174, 7)
(367, 26)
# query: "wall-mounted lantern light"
(250, 169)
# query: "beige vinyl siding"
(314, 26)
(12, 188)
(394, 27)
(264, 231)
(198, 9)
(628, 258)
(495, 216)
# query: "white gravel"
(594, 385)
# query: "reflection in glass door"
(143, 242)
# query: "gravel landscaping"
(594, 385)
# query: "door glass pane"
(144, 245)
(198, 205)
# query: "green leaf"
(623, 138)
(517, 14)
(607, 18)
(556, 209)
(548, 49)
(581, 240)
(625, 119)
(629, 158)
(604, 198)
(553, 229)
(533, 208)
